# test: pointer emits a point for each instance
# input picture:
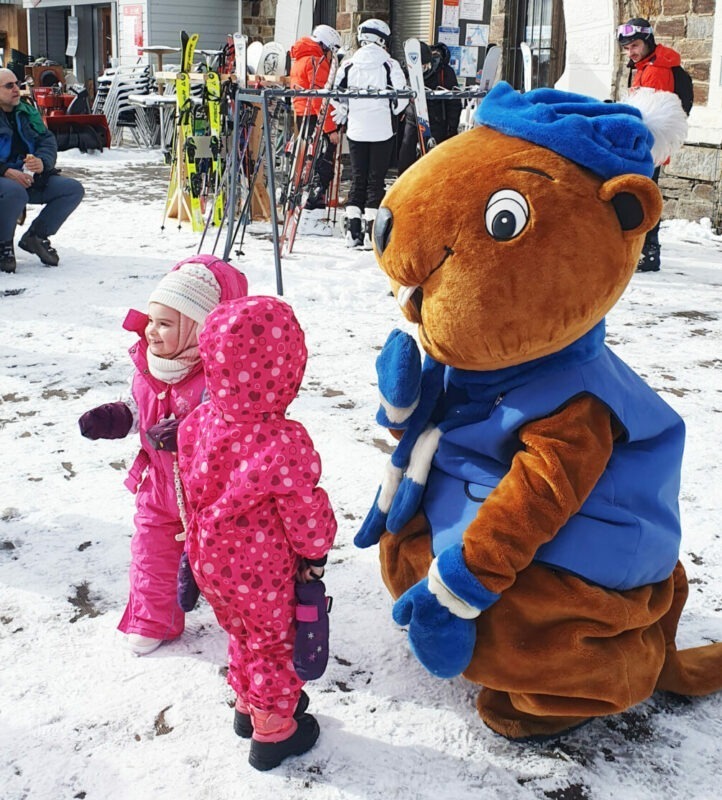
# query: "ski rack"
(263, 97)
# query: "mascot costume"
(528, 522)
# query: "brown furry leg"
(498, 711)
(697, 671)
(405, 556)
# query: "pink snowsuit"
(254, 508)
(152, 608)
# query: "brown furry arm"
(549, 480)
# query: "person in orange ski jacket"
(650, 67)
(311, 60)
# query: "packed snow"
(82, 718)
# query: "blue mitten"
(398, 367)
(405, 504)
(440, 611)
(372, 527)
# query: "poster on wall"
(472, 9)
(469, 61)
(455, 58)
(450, 14)
(477, 35)
(132, 30)
(72, 47)
(449, 36)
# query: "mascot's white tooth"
(404, 294)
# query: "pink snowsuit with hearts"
(152, 609)
(254, 508)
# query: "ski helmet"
(327, 36)
(636, 29)
(374, 31)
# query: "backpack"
(683, 88)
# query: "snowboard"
(412, 55)
(253, 57)
(272, 60)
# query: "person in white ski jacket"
(370, 125)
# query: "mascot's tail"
(694, 672)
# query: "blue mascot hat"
(607, 138)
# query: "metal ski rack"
(263, 97)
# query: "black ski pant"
(323, 171)
(652, 237)
(369, 164)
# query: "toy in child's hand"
(188, 591)
(109, 421)
(164, 435)
(310, 652)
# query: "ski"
(186, 132)
(486, 78)
(526, 63)
(213, 100)
(305, 165)
(240, 41)
(412, 54)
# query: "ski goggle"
(630, 30)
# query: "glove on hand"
(443, 642)
(188, 591)
(441, 638)
(339, 114)
(398, 367)
(109, 421)
(310, 650)
(164, 435)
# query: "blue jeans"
(60, 196)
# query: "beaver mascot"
(528, 521)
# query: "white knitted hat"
(191, 289)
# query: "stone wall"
(259, 20)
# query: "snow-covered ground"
(80, 718)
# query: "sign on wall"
(132, 28)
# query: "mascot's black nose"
(382, 228)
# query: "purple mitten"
(310, 652)
(188, 591)
(109, 421)
(164, 435)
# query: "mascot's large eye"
(507, 213)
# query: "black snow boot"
(267, 755)
(7, 257)
(41, 247)
(243, 726)
(650, 259)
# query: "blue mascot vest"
(627, 533)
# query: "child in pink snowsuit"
(257, 521)
(168, 383)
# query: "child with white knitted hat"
(167, 384)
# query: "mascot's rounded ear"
(637, 202)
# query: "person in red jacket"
(311, 59)
(650, 66)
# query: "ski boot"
(650, 259)
(7, 257)
(369, 217)
(42, 248)
(353, 227)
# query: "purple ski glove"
(310, 652)
(109, 421)
(188, 591)
(164, 435)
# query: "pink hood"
(254, 356)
